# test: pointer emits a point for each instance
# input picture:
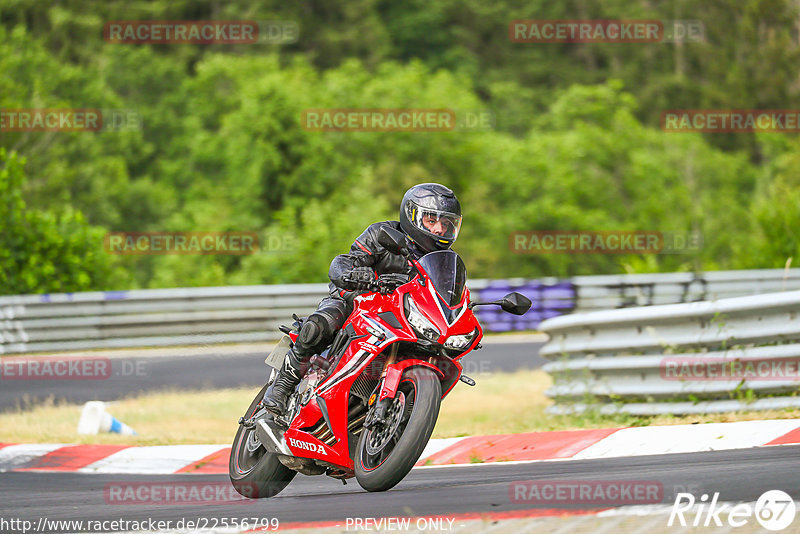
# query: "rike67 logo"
(774, 510)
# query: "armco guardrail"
(206, 315)
(151, 317)
(605, 292)
(739, 353)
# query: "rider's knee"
(315, 333)
(335, 312)
(320, 327)
(312, 331)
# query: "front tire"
(255, 473)
(386, 454)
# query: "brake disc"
(381, 435)
(253, 443)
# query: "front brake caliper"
(378, 414)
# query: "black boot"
(288, 377)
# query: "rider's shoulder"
(369, 237)
(374, 229)
(381, 224)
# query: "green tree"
(43, 251)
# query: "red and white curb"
(532, 446)
(617, 442)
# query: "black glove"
(389, 282)
(395, 263)
(359, 278)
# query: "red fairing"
(366, 355)
(395, 371)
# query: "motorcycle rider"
(430, 218)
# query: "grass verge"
(501, 403)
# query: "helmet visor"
(439, 224)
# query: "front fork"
(382, 398)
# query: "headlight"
(421, 324)
(459, 342)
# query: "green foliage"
(576, 146)
(773, 241)
(43, 251)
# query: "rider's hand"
(359, 278)
(389, 282)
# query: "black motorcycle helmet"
(430, 215)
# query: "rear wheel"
(255, 473)
(387, 452)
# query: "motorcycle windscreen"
(447, 273)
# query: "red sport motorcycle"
(367, 405)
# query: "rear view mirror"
(515, 303)
(393, 240)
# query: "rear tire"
(382, 467)
(255, 473)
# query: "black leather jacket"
(367, 252)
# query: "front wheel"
(387, 452)
(254, 472)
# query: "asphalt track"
(738, 475)
(216, 370)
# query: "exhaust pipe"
(356, 423)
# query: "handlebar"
(384, 284)
(390, 281)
